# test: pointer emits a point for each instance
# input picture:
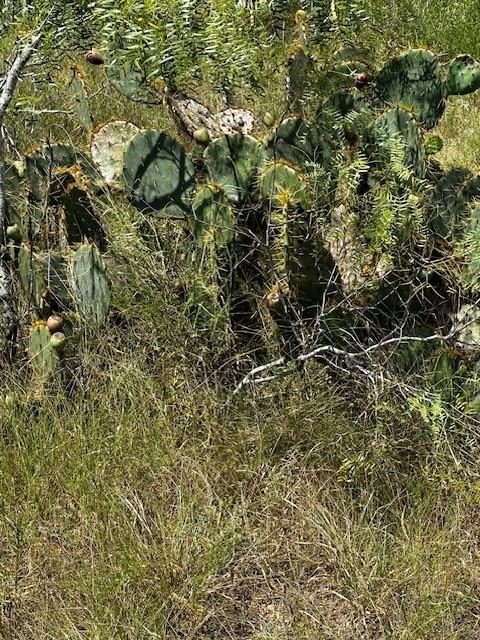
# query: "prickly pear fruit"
(201, 136)
(14, 232)
(268, 119)
(94, 57)
(57, 341)
(361, 80)
(55, 323)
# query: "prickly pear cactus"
(44, 359)
(282, 185)
(132, 83)
(402, 125)
(41, 167)
(231, 162)
(77, 89)
(107, 145)
(79, 216)
(413, 81)
(441, 218)
(44, 279)
(463, 76)
(158, 174)
(212, 218)
(299, 144)
(298, 67)
(451, 200)
(91, 285)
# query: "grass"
(143, 502)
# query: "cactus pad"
(402, 125)
(80, 99)
(132, 83)
(413, 81)
(463, 76)
(43, 358)
(299, 143)
(281, 186)
(92, 288)
(442, 219)
(158, 174)
(41, 166)
(213, 219)
(232, 161)
(108, 145)
(44, 279)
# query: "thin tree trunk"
(8, 319)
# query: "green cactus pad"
(80, 99)
(299, 143)
(14, 194)
(44, 360)
(463, 76)
(41, 166)
(44, 278)
(413, 81)
(442, 218)
(108, 145)
(132, 83)
(231, 162)
(401, 124)
(213, 219)
(159, 175)
(281, 185)
(81, 221)
(299, 64)
(91, 285)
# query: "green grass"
(143, 502)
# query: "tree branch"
(10, 81)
